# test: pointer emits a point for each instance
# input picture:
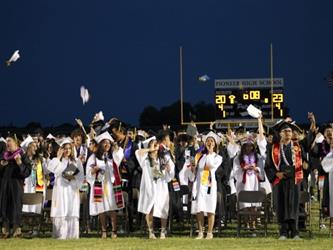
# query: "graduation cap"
(284, 125)
(13, 136)
(118, 125)
(50, 137)
(25, 144)
(204, 78)
(146, 142)
(163, 133)
(213, 135)
(319, 138)
(15, 56)
(85, 96)
(105, 136)
(253, 111)
(67, 140)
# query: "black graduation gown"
(11, 190)
(222, 175)
(319, 151)
(287, 192)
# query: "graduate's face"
(11, 144)
(67, 150)
(49, 148)
(106, 144)
(286, 134)
(32, 148)
(329, 134)
(183, 144)
(166, 141)
(93, 146)
(248, 148)
(210, 144)
(270, 138)
(130, 134)
(77, 140)
(118, 135)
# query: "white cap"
(141, 133)
(64, 141)
(213, 135)
(50, 137)
(146, 142)
(104, 136)
(253, 111)
(319, 138)
(99, 116)
(3, 139)
(26, 142)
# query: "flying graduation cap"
(84, 93)
(204, 78)
(15, 56)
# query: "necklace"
(284, 156)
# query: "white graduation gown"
(202, 201)
(30, 187)
(262, 145)
(185, 174)
(154, 194)
(108, 202)
(327, 164)
(65, 208)
(252, 182)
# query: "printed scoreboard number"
(232, 103)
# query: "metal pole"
(272, 83)
(181, 85)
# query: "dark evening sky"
(127, 54)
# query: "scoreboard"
(233, 96)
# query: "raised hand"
(60, 153)
(18, 159)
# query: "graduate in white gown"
(204, 192)
(154, 193)
(248, 169)
(103, 175)
(65, 208)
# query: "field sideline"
(170, 243)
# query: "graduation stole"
(296, 157)
(98, 188)
(39, 177)
(247, 161)
(11, 155)
(117, 189)
(206, 177)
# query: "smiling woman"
(65, 208)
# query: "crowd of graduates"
(163, 174)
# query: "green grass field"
(170, 243)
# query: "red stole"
(276, 157)
(117, 188)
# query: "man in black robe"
(284, 169)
